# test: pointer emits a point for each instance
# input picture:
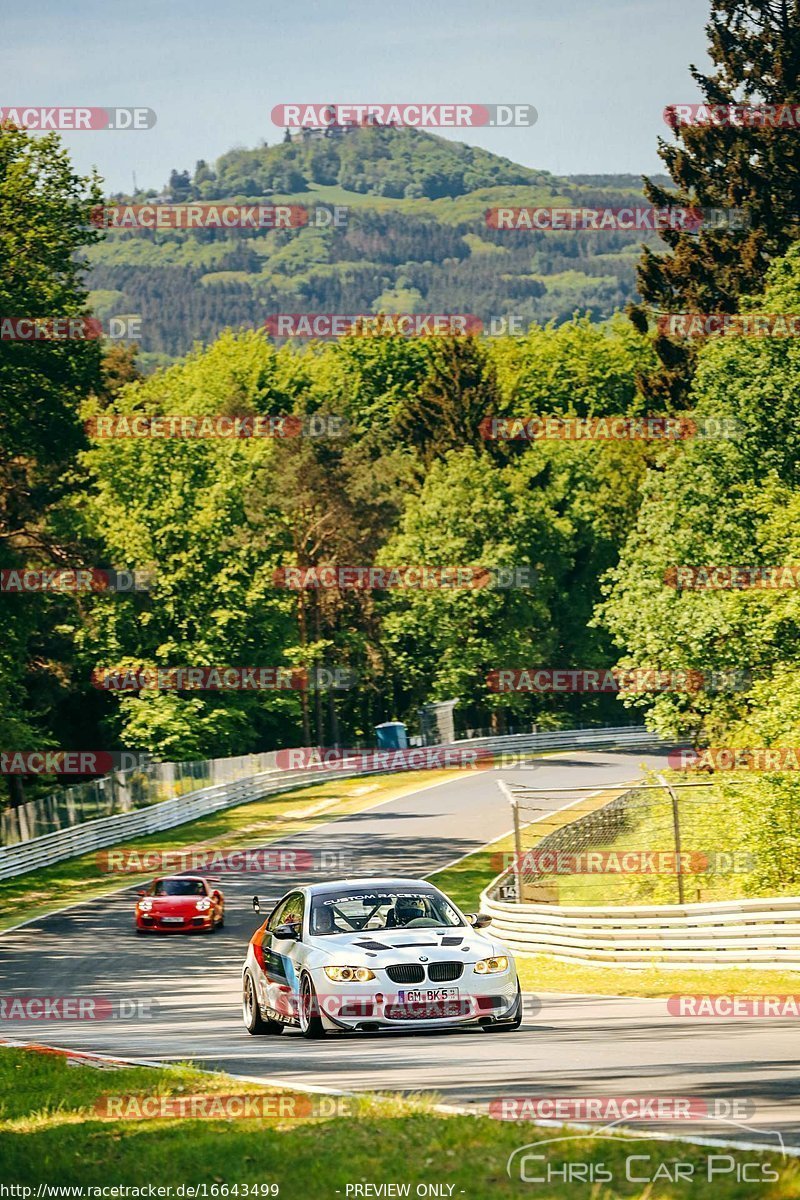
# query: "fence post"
(517, 851)
(676, 825)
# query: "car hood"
(175, 905)
(380, 948)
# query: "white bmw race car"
(372, 954)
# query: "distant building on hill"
(317, 133)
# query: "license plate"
(172, 920)
(428, 995)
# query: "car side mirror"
(141, 893)
(256, 905)
(289, 932)
(479, 920)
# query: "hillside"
(416, 239)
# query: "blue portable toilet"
(392, 735)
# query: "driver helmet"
(323, 920)
(408, 908)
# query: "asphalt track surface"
(570, 1045)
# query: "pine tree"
(755, 49)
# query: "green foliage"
(754, 46)
(416, 238)
(724, 502)
(44, 209)
(380, 162)
(178, 506)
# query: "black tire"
(308, 1010)
(507, 1026)
(254, 1023)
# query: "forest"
(389, 465)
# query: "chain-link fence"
(657, 843)
(123, 791)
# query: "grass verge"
(256, 823)
(50, 1133)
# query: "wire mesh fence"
(123, 791)
(657, 843)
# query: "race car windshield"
(179, 887)
(356, 912)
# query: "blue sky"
(599, 72)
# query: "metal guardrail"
(123, 791)
(728, 933)
(107, 831)
(625, 736)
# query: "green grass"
(545, 973)
(253, 824)
(51, 1134)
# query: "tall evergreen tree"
(755, 48)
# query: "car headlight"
(145, 905)
(202, 905)
(349, 974)
(491, 966)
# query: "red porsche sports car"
(180, 904)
